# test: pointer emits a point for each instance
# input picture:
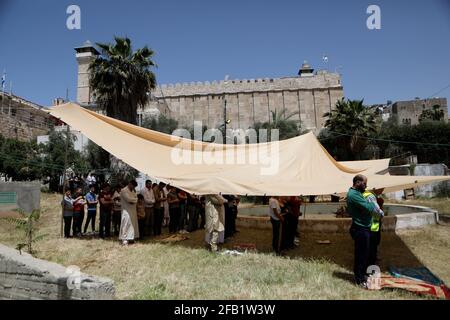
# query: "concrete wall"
(425, 169)
(399, 217)
(24, 277)
(28, 194)
(432, 189)
(331, 208)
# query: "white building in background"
(80, 140)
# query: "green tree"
(288, 128)
(53, 157)
(435, 114)
(27, 225)
(351, 123)
(428, 140)
(19, 160)
(161, 124)
(97, 157)
(121, 79)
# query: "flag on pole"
(3, 80)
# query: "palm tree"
(122, 79)
(352, 123)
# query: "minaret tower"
(85, 55)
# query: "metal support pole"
(225, 120)
(64, 179)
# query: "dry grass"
(442, 205)
(186, 270)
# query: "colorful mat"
(420, 273)
(417, 280)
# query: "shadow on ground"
(393, 251)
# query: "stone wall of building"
(21, 119)
(408, 112)
(249, 101)
(11, 128)
(26, 278)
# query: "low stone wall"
(24, 277)
(341, 225)
(398, 219)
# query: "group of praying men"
(136, 216)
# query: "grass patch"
(186, 270)
(442, 205)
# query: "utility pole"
(65, 179)
(225, 120)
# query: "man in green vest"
(375, 227)
(361, 212)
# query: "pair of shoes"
(124, 242)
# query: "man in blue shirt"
(92, 201)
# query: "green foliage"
(196, 130)
(430, 141)
(436, 114)
(160, 124)
(53, 156)
(20, 160)
(26, 225)
(288, 128)
(348, 127)
(97, 157)
(121, 79)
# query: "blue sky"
(206, 40)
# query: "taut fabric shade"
(298, 166)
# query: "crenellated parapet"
(321, 80)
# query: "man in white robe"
(214, 216)
(129, 228)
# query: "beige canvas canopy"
(298, 166)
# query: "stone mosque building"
(247, 101)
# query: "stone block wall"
(21, 119)
(26, 278)
(251, 101)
